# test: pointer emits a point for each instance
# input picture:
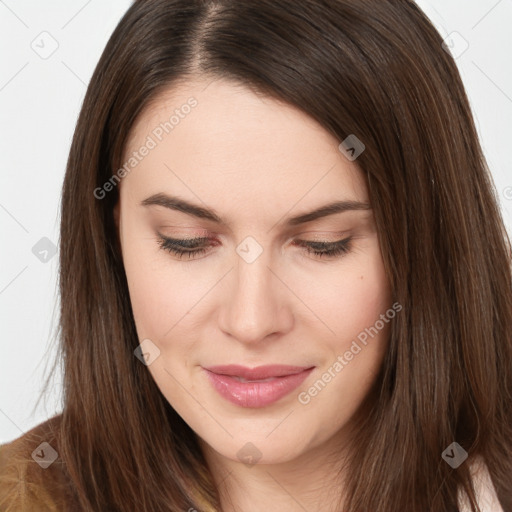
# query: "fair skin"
(255, 162)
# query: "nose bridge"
(254, 307)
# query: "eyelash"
(181, 247)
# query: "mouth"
(256, 387)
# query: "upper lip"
(260, 372)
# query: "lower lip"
(256, 394)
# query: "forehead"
(220, 139)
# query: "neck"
(312, 481)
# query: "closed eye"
(193, 247)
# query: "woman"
(285, 281)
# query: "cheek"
(351, 296)
(365, 295)
(168, 297)
(356, 298)
(154, 288)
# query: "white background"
(39, 104)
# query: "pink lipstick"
(256, 387)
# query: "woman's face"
(256, 294)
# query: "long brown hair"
(375, 69)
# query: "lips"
(256, 387)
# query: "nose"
(255, 303)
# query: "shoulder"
(484, 489)
(32, 476)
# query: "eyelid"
(196, 240)
(324, 237)
(197, 246)
(186, 241)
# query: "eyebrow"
(178, 204)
